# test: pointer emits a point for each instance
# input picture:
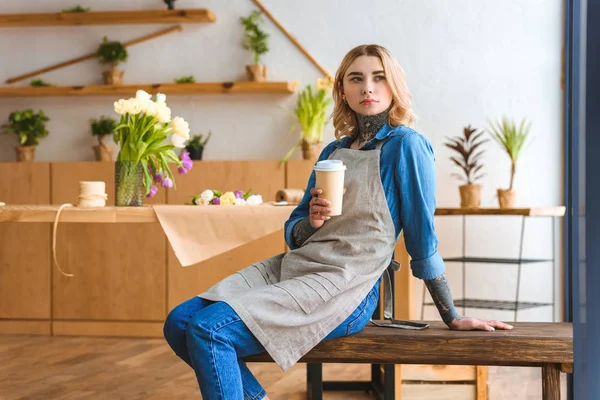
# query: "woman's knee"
(177, 320)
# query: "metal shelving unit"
(507, 305)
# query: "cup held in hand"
(330, 179)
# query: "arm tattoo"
(440, 293)
(302, 231)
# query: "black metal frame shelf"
(506, 305)
(465, 302)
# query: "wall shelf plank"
(241, 87)
(108, 18)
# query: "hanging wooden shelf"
(108, 18)
(165, 88)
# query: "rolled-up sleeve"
(415, 175)
(301, 211)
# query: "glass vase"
(129, 184)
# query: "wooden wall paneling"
(25, 250)
(297, 173)
(265, 178)
(120, 269)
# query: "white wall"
(464, 61)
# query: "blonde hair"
(401, 113)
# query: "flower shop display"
(257, 42)
(237, 198)
(112, 53)
(144, 155)
(511, 139)
(196, 144)
(469, 163)
(101, 128)
(30, 127)
(311, 116)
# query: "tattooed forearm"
(302, 231)
(440, 293)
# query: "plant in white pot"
(256, 41)
(101, 128)
(112, 53)
(469, 163)
(511, 138)
(30, 127)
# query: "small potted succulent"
(511, 139)
(256, 41)
(468, 161)
(101, 128)
(112, 53)
(195, 146)
(30, 127)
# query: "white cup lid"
(330, 165)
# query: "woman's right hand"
(318, 206)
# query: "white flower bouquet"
(237, 198)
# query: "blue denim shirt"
(407, 167)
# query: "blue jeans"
(212, 339)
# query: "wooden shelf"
(108, 18)
(165, 88)
(551, 211)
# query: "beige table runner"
(197, 233)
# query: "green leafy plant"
(186, 79)
(77, 9)
(311, 115)
(111, 52)
(198, 141)
(102, 127)
(255, 40)
(511, 139)
(40, 82)
(170, 4)
(467, 160)
(28, 125)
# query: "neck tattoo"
(369, 125)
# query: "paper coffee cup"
(330, 179)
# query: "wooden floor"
(77, 368)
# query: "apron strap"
(388, 304)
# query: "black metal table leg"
(314, 381)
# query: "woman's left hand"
(473, 324)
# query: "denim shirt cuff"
(289, 239)
(428, 268)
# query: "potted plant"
(468, 161)
(256, 41)
(195, 146)
(39, 83)
(511, 139)
(311, 115)
(112, 53)
(77, 9)
(186, 79)
(30, 127)
(101, 128)
(170, 4)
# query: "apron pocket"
(313, 290)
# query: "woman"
(327, 285)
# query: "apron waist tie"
(388, 305)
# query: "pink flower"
(216, 201)
(238, 194)
(167, 183)
(158, 177)
(153, 191)
(186, 162)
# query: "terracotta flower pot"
(470, 196)
(507, 198)
(103, 152)
(25, 153)
(257, 72)
(113, 76)
(310, 151)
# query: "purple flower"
(167, 183)
(239, 194)
(185, 155)
(186, 162)
(181, 170)
(153, 191)
(158, 177)
(216, 201)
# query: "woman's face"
(365, 87)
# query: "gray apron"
(292, 301)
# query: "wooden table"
(47, 213)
